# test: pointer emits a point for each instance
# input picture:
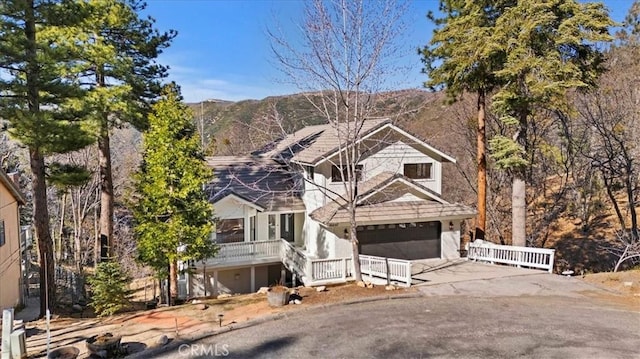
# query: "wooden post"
(386, 265)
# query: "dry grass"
(625, 287)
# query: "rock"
(195, 301)
(361, 284)
(163, 340)
(390, 287)
(321, 288)
(297, 301)
(223, 296)
(368, 285)
(202, 306)
(77, 307)
(263, 290)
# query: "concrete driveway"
(437, 271)
(536, 315)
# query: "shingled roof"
(335, 211)
(400, 211)
(311, 144)
(261, 181)
(12, 187)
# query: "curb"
(177, 342)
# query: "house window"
(418, 170)
(2, 233)
(230, 230)
(338, 173)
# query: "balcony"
(246, 253)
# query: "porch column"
(253, 279)
(247, 226)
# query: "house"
(10, 250)
(280, 210)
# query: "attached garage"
(414, 240)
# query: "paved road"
(479, 321)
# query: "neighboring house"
(279, 210)
(10, 250)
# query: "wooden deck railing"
(540, 258)
(246, 251)
(328, 269)
(311, 271)
(386, 268)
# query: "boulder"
(163, 340)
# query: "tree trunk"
(519, 211)
(41, 222)
(481, 220)
(96, 233)
(40, 210)
(58, 247)
(106, 188)
(354, 247)
(173, 279)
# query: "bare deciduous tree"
(344, 60)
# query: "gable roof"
(314, 144)
(264, 183)
(12, 187)
(327, 213)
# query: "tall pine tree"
(37, 49)
(120, 70)
(458, 60)
(172, 210)
(549, 47)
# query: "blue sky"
(222, 50)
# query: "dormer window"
(340, 173)
(418, 170)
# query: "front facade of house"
(280, 209)
(10, 249)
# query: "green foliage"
(458, 56)
(507, 152)
(548, 48)
(117, 61)
(172, 209)
(64, 175)
(36, 91)
(109, 288)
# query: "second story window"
(338, 173)
(418, 170)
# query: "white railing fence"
(312, 271)
(386, 268)
(327, 269)
(540, 258)
(247, 250)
